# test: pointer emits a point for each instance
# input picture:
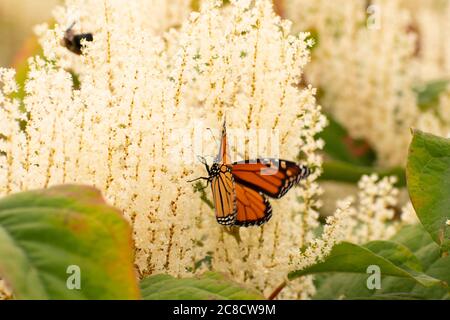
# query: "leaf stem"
(346, 172)
(277, 291)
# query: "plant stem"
(346, 172)
(277, 291)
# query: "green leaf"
(349, 159)
(350, 173)
(419, 242)
(428, 177)
(396, 253)
(428, 95)
(341, 147)
(44, 232)
(210, 286)
(393, 259)
(391, 296)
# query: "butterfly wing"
(239, 189)
(224, 151)
(271, 177)
(223, 190)
(253, 208)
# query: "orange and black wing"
(253, 208)
(224, 151)
(223, 190)
(271, 177)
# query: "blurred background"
(17, 18)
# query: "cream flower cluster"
(368, 60)
(112, 132)
(335, 231)
(131, 127)
(150, 84)
(431, 21)
(374, 215)
(247, 66)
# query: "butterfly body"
(240, 189)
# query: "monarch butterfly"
(240, 189)
(72, 41)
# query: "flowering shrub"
(130, 116)
(368, 62)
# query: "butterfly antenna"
(213, 136)
(71, 26)
(202, 159)
(205, 163)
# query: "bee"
(72, 41)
